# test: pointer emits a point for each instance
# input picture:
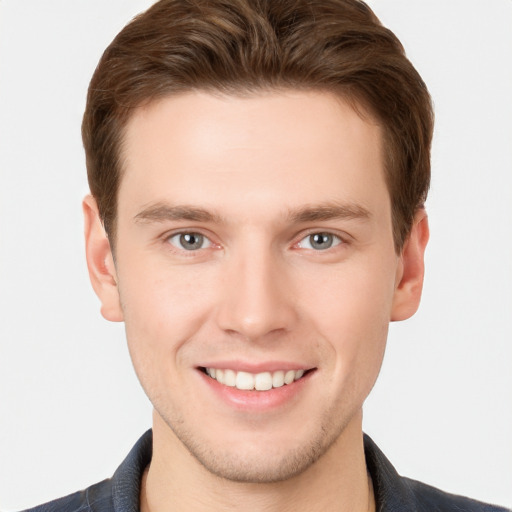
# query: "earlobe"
(410, 273)
(100, 262)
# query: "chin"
(261, 467)
(262, 458)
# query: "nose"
(257, 300)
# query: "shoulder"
(431, 499)
(97, 498)
(395, 493)
(121, 492)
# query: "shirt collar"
(126, 481)
(391, 491)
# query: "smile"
(254, 381)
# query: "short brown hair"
(244, 46)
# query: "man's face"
(254, 242)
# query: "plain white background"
(70, 405)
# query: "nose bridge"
(256, 299)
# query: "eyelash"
(180, 234)
(337, 240)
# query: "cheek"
(162, 308)
(162, 313)
(351, 310)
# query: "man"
(258, 173)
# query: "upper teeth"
(259, 381)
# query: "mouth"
(263, 381)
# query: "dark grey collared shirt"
(393, 493)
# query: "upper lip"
(251, 367)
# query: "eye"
(320, 241)
(189, 241)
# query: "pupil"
(321, 241)
(191, 241)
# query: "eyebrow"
(328, 211)
(161, 212)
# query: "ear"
(100, 262)
(411, 269)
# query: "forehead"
(277, 148)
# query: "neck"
(338, 481)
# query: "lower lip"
(257, 401)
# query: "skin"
(256, 177)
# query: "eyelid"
(205, 239)
(343, 238)
(166, 237)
